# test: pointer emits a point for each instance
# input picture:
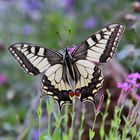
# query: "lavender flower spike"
(135, 113)
(35, 135)
(98, 109)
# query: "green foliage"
(91, 134)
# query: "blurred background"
(37, 21)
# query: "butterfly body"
(75, 72)
(69, 65)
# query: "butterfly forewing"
(34, 59)
(101, 46)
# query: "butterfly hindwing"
(55, 84)
(101, 46)
(34, 59)
(90, 80)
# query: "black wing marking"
(101, 46)
(34, 59)
(90, 80)
(56, 85)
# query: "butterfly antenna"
(61, 39)
(69, 31)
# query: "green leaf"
(65, 136)
(57, 134)
(134, 130)
(70, 133)
(80, 132)
(91, 134)
(102, 133)
(41, 136)
(39, 111)
(49, 105)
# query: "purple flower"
(26, 29)
(29, 5)
(31, 8)
(3, 79)
(98, 109)
(135, 75)
(132, 79)
(131, 84)
(71, 49)
(90, 23)
(2, 47)
(125, 86)
(69, 5)
(35, 134)
(137, 96)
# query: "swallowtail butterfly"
(73, 73)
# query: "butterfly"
(75, 72)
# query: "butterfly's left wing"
(100, 47)
(35, 59)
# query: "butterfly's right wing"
(36, 59)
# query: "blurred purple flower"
(30, 5)
(31, 8)
(26, 29)
(131, 84)
(3, 79)
(90, 23)
(2, 47)
(132, 79)
(69, 5)
(137, 96)
(135, 75)
(124, 86)
(71, 49)
(35, 134)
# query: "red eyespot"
(77, 93)
(71, 93)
